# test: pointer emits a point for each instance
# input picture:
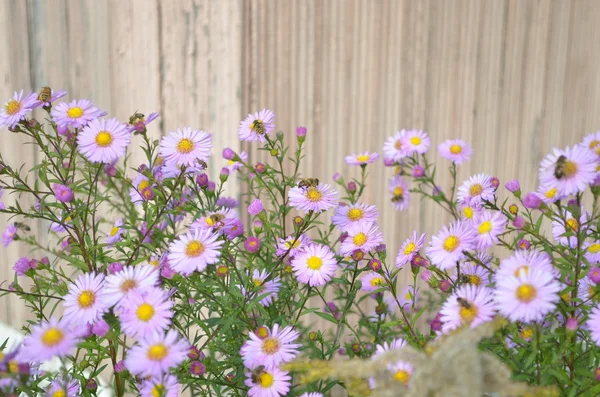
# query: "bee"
(45, 94)
(465, 278)
(203, 164)
(258, 126)
(397, 197)
(257, 373)
(215, 220)
(559, 168)
(463, 303)
(22, 226)
(136, 118)
(308, 182)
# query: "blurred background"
(512, 78)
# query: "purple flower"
(523, 244)
(375, 265)
(233, 228)
(425, 275)
(518, 222)
(197, 368)
(572, 324)
(167, 272)
(418, 171)
(336, 177)
(225, 171)
(436, 323)
(495, 182)
(260, 168)
(115, 267)
(22, 266)
(255, 207)
(9, 234)
(300, 131)
(252, 244)
(445, 285)
(202, 180)
(101, 328)
(228, 154)
(532, 201)
(351, 186)
(62, 130)
(227, 202)
(594, 274)
(389, 162)
(211, 186)
(513, 186)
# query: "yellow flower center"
(527, 333)
(86, 299)
(468, 314)
(410, 248)
(468, 212)
(75, 112)
(593, 144)
(129, 284)
(407, 296)
(526, 293)
(104, 139)
(209, 221)
(257, 282)
(594, 248)
(262, 332)
(570, 169)
(314, 263)
(114, 231)
(360, 239)
(185, 145)
(475, 189)
(270, 346)
(158, 390)
(12, 107)
(266, 380)
(376, 281)
(312, 194)
(474, 279)
(513, 209)
(402, 376)
(231, 162)
(1, 356)
(485, 227)
(398, 191)
(398, 145)
(550, 193)
(13, 367)
(451, 243)
(572, 224)
(566, 297)
(592, 293)
(455, 149)
(362, 158)
(522, 270)
(143, 185)
(194, 248)
(355, 214)
(155, 263)
(59, 393)
(415, 140)
(157, 352)
(145, 312)
(288, 244)
(52, 337)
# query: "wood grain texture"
(513, 78)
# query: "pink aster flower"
(214, 221)
(409, 249)
(488, 225)
(396, 343)
(455, 150)
(186, 146)
(49, 339)
(570, 171)
(592, 142)
(448, 245)
(115, 233)
(145, 312)
(76, 114)
(408, 297)
(399, 192)
(227, 202)
(59, 227)
(156, 354)
(138, 124)
(233, 165)
(395, 147)
(62, 193)
(61, 388)
(523, 261)
(416, 141)
(549, 194)
(255, 207)
(275, 349)
(252, 244)
(139, 184)
(233, 228)
(164, 385)
(16, 109)
(269, 383)
(469, 305)
(345, 215)
(84, 304)
(363, 236)
(362, 158)
(592, 251)
(10, 233)
(292, 244)
(528, 297)
(372, 281)
(593, 324)
(476, 189)
(194, 251)
(313, 198)
(267, 289)
(130, 279)
(587, 291)
(570, 225)
(103, 141)
(473, 274)
(315, 265)
(257, 125)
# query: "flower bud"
(110, 170)
(388, 162)
(252, 244)
(597, 374)
(418, 171)
(336, 176)
(224, 174)
(211, 186)
(532, 201)
(375, 265)
(594, 274)
(197, 368)
(312, 335)
(62, 130)
(513, 186)
(436, 323)
(228, 154)
(523, 244)
(91, 385)
(193, 353)
(115, 267)
(425, 275)
(518, 222)
(358, 255)
(101, 328)
(260, 168)
(298, 221)
(355, 347)
(255, 207)
(274, 152)
(445, 285)
(202, 180)
(513, 209)
(572, 324)
(351, 186)
(495, 182)
(222, 270)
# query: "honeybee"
(45, 94)
(136, 118)
(215, 220)
(257, 373)
(397, 197)
(308, 182)
(463, 303)
(258, 126)
(465, 278)
(559, 168)
(203, 164)
(22, 226)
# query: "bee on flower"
(256, 126)
(314, 197)
(399, 193)
(570, 170)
